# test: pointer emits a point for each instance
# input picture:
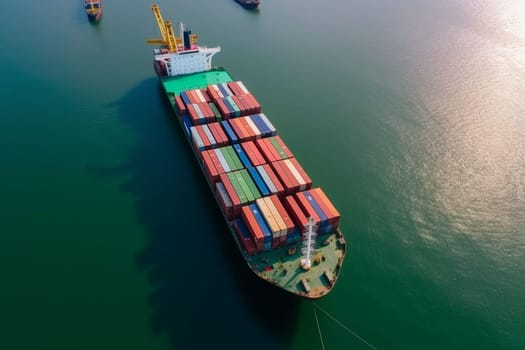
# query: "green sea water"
(409, 114)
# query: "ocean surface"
(410, 115)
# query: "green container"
(244, 186)
(213, 107)
(278, 148)
(238, 189)
(227, 156)
(249, 181)
(237, 164)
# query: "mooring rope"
(318, 327)
(315, 306)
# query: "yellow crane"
(168, 38)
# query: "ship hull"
(249, 5)
(278, 266)
(93, 10)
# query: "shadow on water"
(203, 294)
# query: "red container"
(241, 105)
(303, 173)
(236, 87)
(323, 201)
(267, 154)
(254, 103)
(283, 213)
(249, 246)
(307, 207)
(225, 112)
(212, 92)
(247, 129)
(294, 174)
(216, 162)
(236, 129)
(181, 107)
(250, 134)
(285, 148)
(209, 167)
(205, 94)
(290, 184)
(204, 137)
(218, 134)
(251, 125)
(243, 133)
(271, 147)
(275, 180)
(253, 153)
(248, 103)
(192, 113)
(193, 98)
(231, 193)
(252, 224)
(296, 213)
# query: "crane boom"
(172, 40)
(166, 31)
(160, 22)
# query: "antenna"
(310, 232)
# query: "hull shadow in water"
(203, 294)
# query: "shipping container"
(229, 131)
(271, 180)
(242, 156)
(327, 206)
(324, 219)
(225, 201)
(307, 208)
(259, 182)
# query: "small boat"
(93, 9)
(249, 4)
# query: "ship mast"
(308, 243)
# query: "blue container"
(259, 182)
(261, 125)
(268, 246)
(185, 98)
(225, 89)
(318, 210)
(187, 125)
(236, 109)
(268, 123)
(229, 131)
(242, 155)
(228, 105)
(243, 229)
(262, 223)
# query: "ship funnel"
(186, 36)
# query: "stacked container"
(259, 184)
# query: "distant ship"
(286, 229)
(249, 4)
(93, 9)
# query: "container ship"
(286, 229)
(249, 4)
(93, 9)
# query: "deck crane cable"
(346, 328)
(318, 327)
